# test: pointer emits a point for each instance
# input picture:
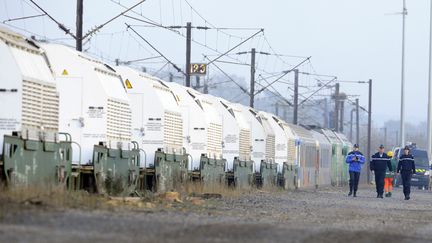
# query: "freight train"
(69, 119)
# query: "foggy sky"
(353, 40)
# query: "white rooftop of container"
(303, 134)
(292, 140)
(322, 140)
(28, 91)
(156, 115)
(331, 136)
(214, 123)
(94, 106)
(344, 140)
(235, 131)
(262, 136)
(194, 124)
(281, 139)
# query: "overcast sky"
(353, 40)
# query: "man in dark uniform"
(378, 165)
(406, 167)
(355, 159)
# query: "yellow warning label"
(65, 72)
(128, 84)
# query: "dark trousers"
(354, 180)
(406, 181)
(379, 181)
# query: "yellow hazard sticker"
(420, 170)
(65, 72)
(128, 84)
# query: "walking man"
(388, 181)
(406, 167)
(378, 165)
(355, 159)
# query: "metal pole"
(402, 114)
(277, 108)
(369, 127)
(198, 83)
(357, 122)
(252, 79)
(326, 114)
(295, 115)
(171, 77)
(385, 136)
(351, 125)
(205, 89)
(188, 52)
(79, 25)
(342, 111)
(336, 112)
(429, 121)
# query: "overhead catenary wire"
(283, 75)
(25, 17)
(110, 20)
(60, 25)
(239, 44)
(155, 49)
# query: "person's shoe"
(408, 198)
(378, 195)
(350, 193)
(381, 196)
(355, 194)
(387, 194)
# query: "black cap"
(356, 146)
(406, 148)
(381, 146)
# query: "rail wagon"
(346, 148)
(281, 140)
(95, 111)
(202, 128)
(236, 143)
(307, 156)
(287, 175)
(29, 122)
(157, 126)
(263, 147)
(325, 157)
(337, 159)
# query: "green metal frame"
(268, 174)
(168, 172)
(243, 174)
(344, 172)
(334, 166)
(288, 178)
(28, 162)
(116, 171)
(212, 172)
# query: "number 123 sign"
(198, 68)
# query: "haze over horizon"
(354, 40)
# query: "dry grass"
(57, 197)
(51, 196)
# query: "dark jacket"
(406, 164)
(379, 163)
(355, 159)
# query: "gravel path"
(326, 215)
